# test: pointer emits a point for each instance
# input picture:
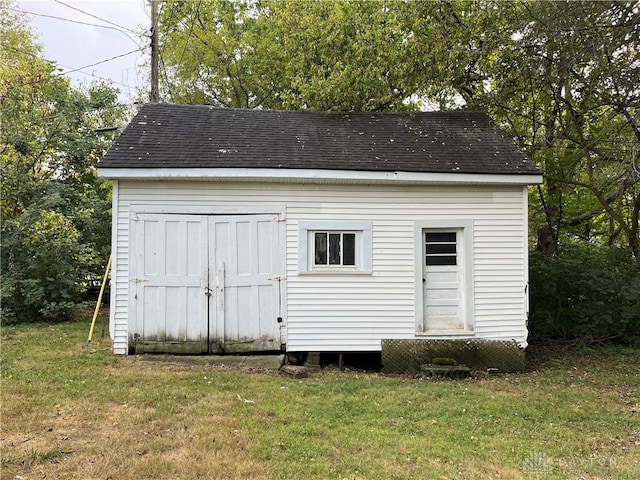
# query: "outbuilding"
(252, 230)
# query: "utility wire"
(120, 30)
(115, 27)
(95, 76)
(106, 60)
(71, 69)
(96, 17)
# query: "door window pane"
(441, 237)
(448, 260)
(441, 248)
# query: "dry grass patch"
(85, 439)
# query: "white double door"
(205, 283)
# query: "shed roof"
(186, 136)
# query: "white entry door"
(203, 283)
(443, 282)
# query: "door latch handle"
(208, 292)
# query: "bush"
(587, 295)
(42, 258)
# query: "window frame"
(362, 254)
(329, 258)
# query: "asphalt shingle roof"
(185, 136)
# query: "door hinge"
(278, 278)
(138, 280)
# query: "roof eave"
(273, 175)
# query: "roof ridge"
(320, 112)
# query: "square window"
(334, 247)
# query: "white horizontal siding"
(500, 266)
(118, 321)
(355, 312)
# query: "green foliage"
(338, 55)
(586, 295)
(443, 361)
(345, 55)
(213, 54)
(43, 250)
(55, 211)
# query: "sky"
(74, 45)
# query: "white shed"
(250, 230)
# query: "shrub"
(42, 258)
(587, 295)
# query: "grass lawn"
(69, 413)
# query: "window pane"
(441, 237)
(349, 249)
(441, 260)
(320, 248)
(334, 249)
(441, 248)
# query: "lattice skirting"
(406, 356)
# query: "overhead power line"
(105, 61)
(71, 69)
(97, 18)
(92, 75)
(78, 22)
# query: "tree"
(338, 55)
(212, 53)
(55, 211)
(345, 55)
(562, 78)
